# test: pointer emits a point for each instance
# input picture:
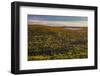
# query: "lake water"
(72, 28)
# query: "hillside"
(46, 43)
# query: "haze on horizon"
(48, 20)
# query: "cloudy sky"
(58, 20)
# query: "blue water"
(72, 28)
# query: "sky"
(56, 18)
(50, 20)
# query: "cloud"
(59, 23)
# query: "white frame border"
(25, 65)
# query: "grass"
(49, 43)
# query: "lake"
(73, 28)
